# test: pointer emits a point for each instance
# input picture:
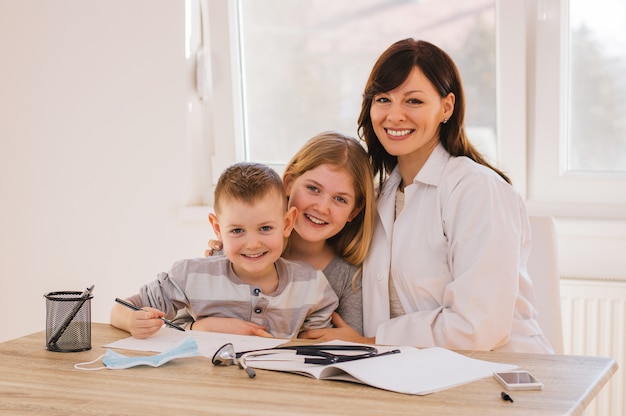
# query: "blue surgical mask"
(116, 361)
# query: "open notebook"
(412, 371)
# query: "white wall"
(93, 163)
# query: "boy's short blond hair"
(247, 182)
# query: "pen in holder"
(68, 320)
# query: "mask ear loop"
(78, 366)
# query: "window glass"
(597, 86)
(304, 64)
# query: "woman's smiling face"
(406, 120)
(325, 199)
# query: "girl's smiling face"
(325, 199)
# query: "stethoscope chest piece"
(226, 355)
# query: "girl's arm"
(341, 331)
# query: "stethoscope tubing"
(318, 354)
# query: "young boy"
(251, 290)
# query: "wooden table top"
(40, 382)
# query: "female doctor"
(447, 264)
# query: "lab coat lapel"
(387, 203)
(376, 266)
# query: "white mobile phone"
(518, 380)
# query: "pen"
(131, 306)
(361, 357)
(506, 397)
(387, 353)
(81, 300)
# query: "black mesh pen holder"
(68, 321)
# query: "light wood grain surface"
(40, 382)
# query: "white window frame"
(511, 100)
(551, 188)
(228, 119)
(215, 138)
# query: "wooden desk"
(39, 382)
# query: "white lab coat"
(457, 253)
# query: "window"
(284, 70)
(305, 64)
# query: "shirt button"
(257, 291)
(257, 310)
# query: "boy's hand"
(230, 326)
(140, 324)
(145, 323)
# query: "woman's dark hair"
(389, 72)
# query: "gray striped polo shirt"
(208, 287)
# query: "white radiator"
(594, 323)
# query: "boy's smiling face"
(253, 234)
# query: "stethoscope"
(315, 354)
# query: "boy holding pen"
(251, 290)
